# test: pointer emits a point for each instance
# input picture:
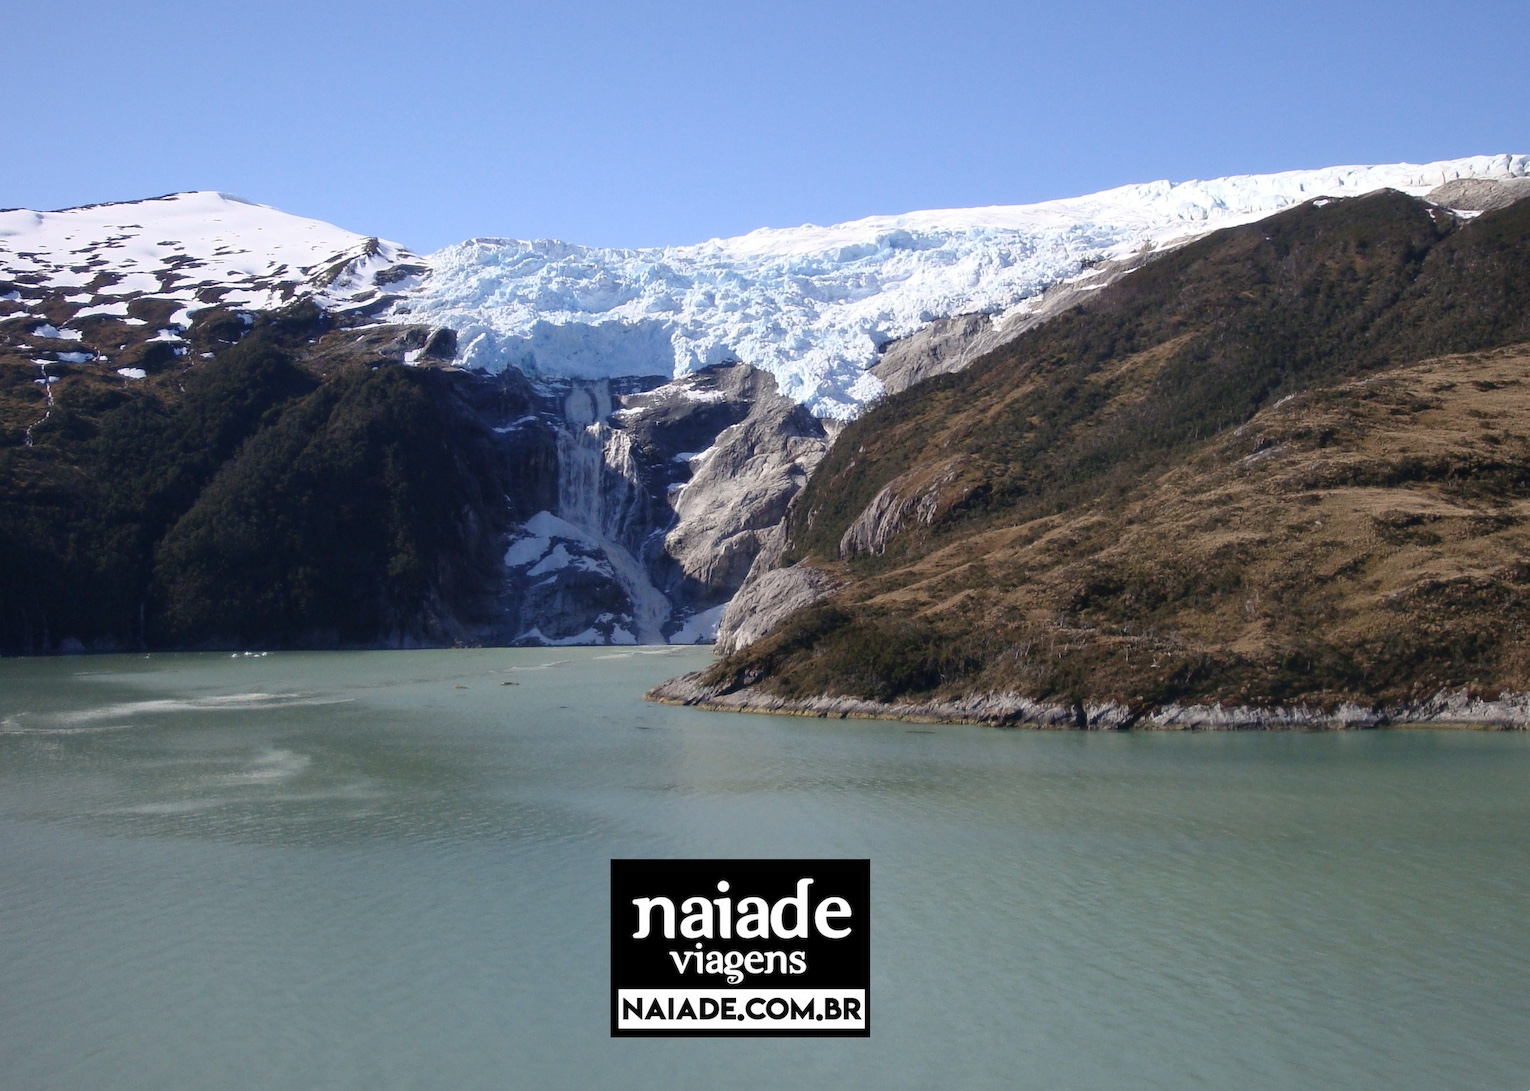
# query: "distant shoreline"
(1449, 709)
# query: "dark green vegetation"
(1257, 470)
(293, 490)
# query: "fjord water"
(378, 870)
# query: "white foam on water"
(232, 702)
(11, 727)
(269, 767)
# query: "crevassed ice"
(812, 305)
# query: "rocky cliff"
(665, 495)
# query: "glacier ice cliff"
(813, 306)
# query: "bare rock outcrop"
(741, 485)
(768, 597)
(1507, 712)
(1480, 194)
(943, 346)
(949, 345)
(915, 498)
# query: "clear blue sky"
(632, 123)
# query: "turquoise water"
(389, 870)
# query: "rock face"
(916, 498)
(948, 345)
(740, 487)
(442, 345)
(944, 346)
(662, 498)
(1480, 194)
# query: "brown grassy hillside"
(1289, 463)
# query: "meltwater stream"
(389, 870)
(588, 450)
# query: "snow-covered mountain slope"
(194, 249)
(812, 305)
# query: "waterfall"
(597, 490)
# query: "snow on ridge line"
(813, 305)
(183, 245)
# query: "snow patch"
(118, 310)
(534, 636)
(526, 551)
(700, 628)
(176, 247)
(558, 558)
(519, 422)
(545, 524)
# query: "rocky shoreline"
(1508, 712)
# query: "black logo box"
(827, 963)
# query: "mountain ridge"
(1280, 468)
(814, 306)
(651, 495)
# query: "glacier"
(814, 305)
